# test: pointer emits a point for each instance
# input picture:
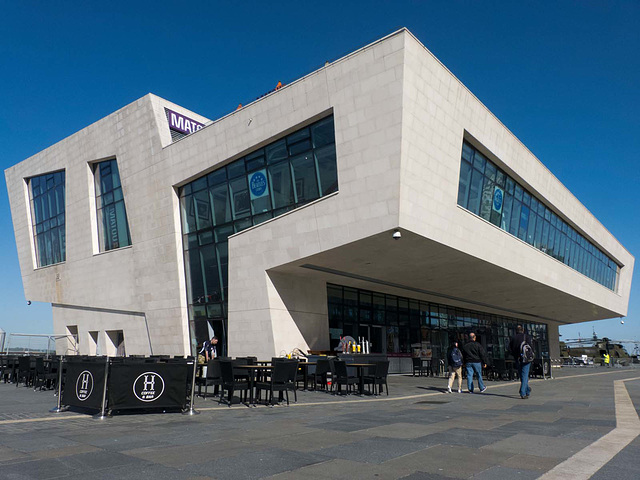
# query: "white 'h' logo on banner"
(149, 384)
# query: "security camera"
(397, 235)
(622, 322)
(28, 302)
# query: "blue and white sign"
(258, 184)
(498, 198)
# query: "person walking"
(521, 349)
(475, 357)
(454, 356)
(607, 360)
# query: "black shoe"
(525, 397)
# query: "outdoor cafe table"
(361, 367)
(253, 370)
(303, 365)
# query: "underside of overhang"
(417, 267)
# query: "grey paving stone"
(531, 462)
(535, 428)
(404, 430)
(340, 468)
(30, 442)
(99, 460)
(425, 476)
(506, 473)
(8, 454)
(375, 450)
(465, 437)
(586, 421)
(609, 472)
(310, 442)
(181, 455)
(151, 471)
(450, 460)
(38, 469)
(590, 434)
(347, 425)
(539, 445)
(254, 465)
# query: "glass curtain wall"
(113, 228)
(397, 325)
(268, 182)
(487, 191)
(47, 198)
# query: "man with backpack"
(454, 356)
(522, 351)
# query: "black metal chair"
(24, 371)
(536, 369)
(379, 377)
(319, 376)
(42, 377)
(420, 367)
(4, 367)
(230, 384)
(283, 379)
(497, 370)
(342, 376)
(213, 378)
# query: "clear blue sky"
(564, 76)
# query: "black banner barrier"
(84, 384)
(148, 385)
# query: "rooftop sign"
(181, 123)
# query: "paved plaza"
(417, 432)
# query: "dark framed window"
(47, 203)
(267, 182)
(490, 193)
(399, 325)
(113, 227)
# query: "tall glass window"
(113, 228)
(398, 326)
(488, 192)
(266, 183)
(46, 194)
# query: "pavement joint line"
(331, 402)
(586, 462)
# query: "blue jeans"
(523, 372)
(477, 369)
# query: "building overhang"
(417, 267)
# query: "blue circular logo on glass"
(258, 184)
(497, 200)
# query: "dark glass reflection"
(399, 325)
(113, 228)
(47, 198)
(488, 192)
(268, 182)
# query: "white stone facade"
(400, 120)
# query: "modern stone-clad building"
(276, 227)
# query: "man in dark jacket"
(516, 346)
(475, 357)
